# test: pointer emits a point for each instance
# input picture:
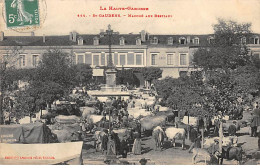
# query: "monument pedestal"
(111, 82)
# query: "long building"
(172, 53)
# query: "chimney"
(143, 36)
(74, 36)
(2, 36)
(188, 40)
(70, 36)
(148, 37)
(102, 33)
(43, 38)
(32, 33)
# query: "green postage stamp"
(22, 13)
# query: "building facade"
(172, 53)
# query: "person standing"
(137, 144)
(254, 124)
(193, 137)
(124, 147)
(104, 142)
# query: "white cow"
(226, 141)
(94, 118)
(173, 133)
(87, 111)
(198, 152)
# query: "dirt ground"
(173, 155)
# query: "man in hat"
(214, 148)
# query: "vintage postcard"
(138, 82)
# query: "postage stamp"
(22, 13)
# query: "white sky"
(189, 16)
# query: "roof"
(130, 39)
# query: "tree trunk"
(220, 136)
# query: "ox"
(98, 138)
(232, 153)
(173, 134)
(158, 135)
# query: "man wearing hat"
(214, 148)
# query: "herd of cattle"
(154, 120)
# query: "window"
(154, 40)
(122, 41)
(35, 60)
(243, 40)
(169, 59)
(80, 41)
(183, 59)
(211, 40)
(88, 59)
(115, 58)
(130, 59)
(153, 59)
(182, 40)
(22, 61)
(196, 40)
(122, 59)
(80, 59)
(256, 40)
(139, 58)
(96, 41)
(96, 59)
(170, 41)
(138, 41)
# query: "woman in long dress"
(23, 16)
(137, 144)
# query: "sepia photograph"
(138, 82)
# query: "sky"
(59, 17)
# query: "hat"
(216, 140)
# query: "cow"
(198, 152)
(150, 122)
(158, 135)
(98, 136)
(232, 153)
(173, 134)
(226, 141)
(86, 111)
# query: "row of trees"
(54, 78)
(228, 77)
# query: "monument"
(111, 71)
(110, 89)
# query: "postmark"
(24, 15)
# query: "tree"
(7, 60)
(151, 73)
(184, 93)
(226, 63)
(127, 76)
(55, 66)
(228, 50)
(83, 74)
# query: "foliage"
(151, 73)
(55, 67)
(82, 74)
(228, 50)
(127, 77)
